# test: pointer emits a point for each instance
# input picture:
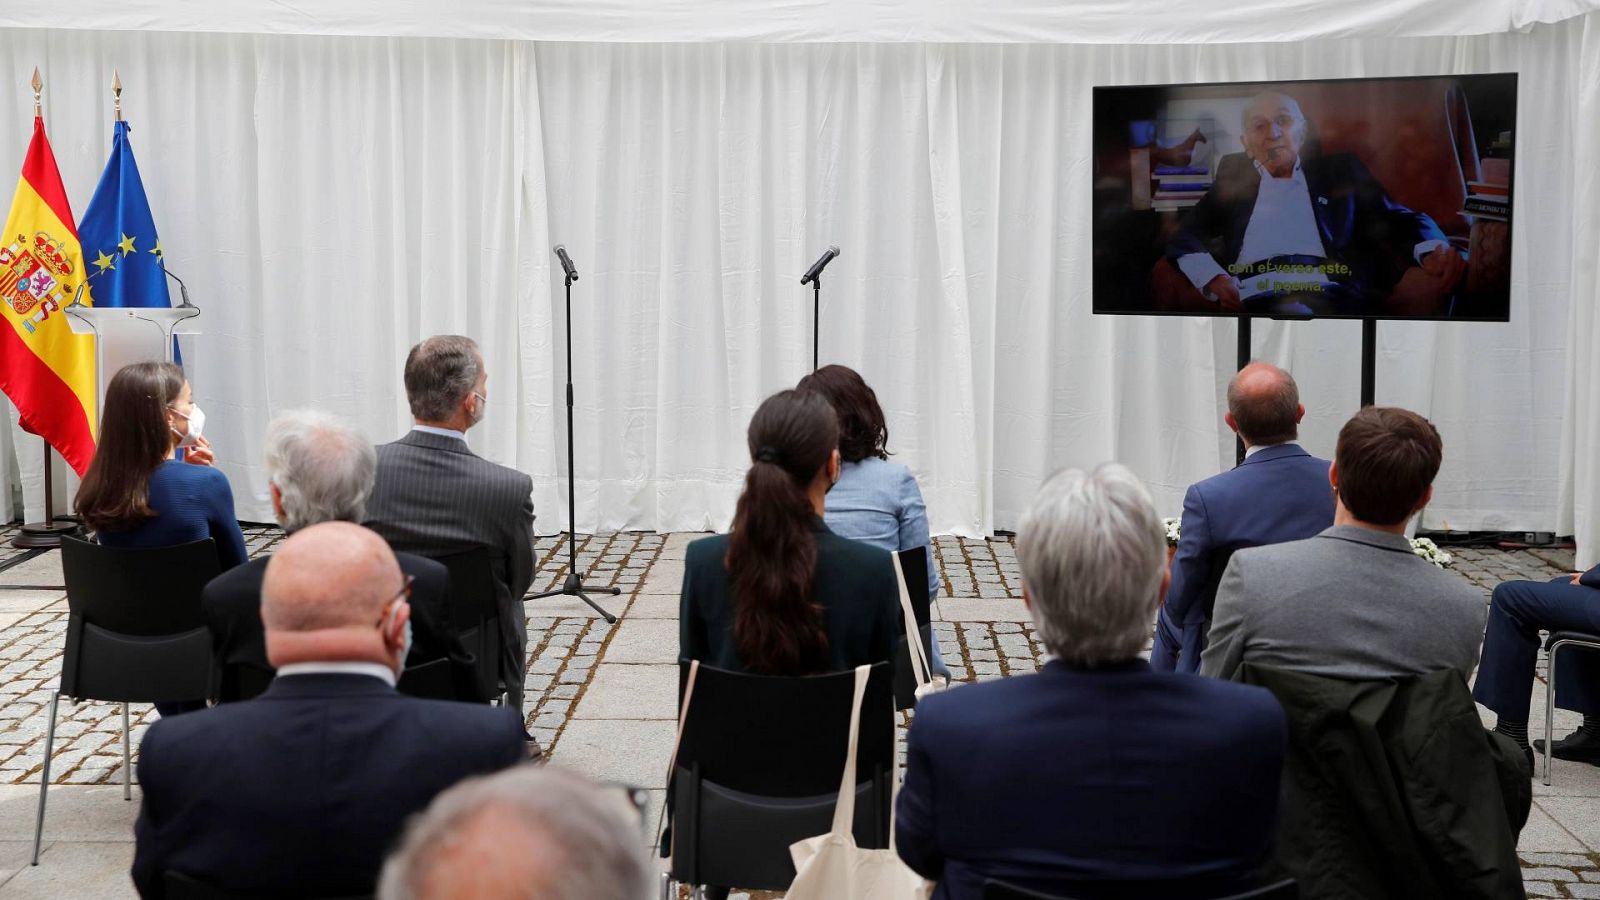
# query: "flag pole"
(44, 535)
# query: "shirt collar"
(442, 432)
(1252, 451)
(1299, 176)
(343, 667)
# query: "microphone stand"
(573, 585)
(816, 318)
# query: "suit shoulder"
(706, 551)
(1230, 698)
(465, 722)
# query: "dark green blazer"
(854, 584)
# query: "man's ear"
(834, 465)
(277, 500)
(1333, 475)
(1228, 420)
(1299, 413)
(1166, 582)
(1027, 598)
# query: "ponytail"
(772, 552)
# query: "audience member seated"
(526, 834)
(299, 792)
(1096, 777)
(782, 594)
(320, 469)
(1353, 602)
(1518, 611)
(434, 496)
(136, 494)
(1279, 493)
(874, 501)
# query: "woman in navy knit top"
(135, 493)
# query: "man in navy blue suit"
(1290, 231)
(1279, 493)
(299, 792)
(1097, 776)
(1518, 611)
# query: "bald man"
(526, 834)
(1279, 493)
(300, 791)
(1283, 230)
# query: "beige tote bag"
(831, 866)
(920, 668)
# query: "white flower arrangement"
(1430, 551)
(1173, 526)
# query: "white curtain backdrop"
(333, 199)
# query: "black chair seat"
(996, 889)
(475, 612)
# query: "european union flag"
(120, 248)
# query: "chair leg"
(127, 758)
(1550, 711)
(44, 774)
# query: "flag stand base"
(44, 535)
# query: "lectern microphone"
(566, 262)
(819, 265)
(183, 289)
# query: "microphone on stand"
(566, 262)
(819, 265)
(182, 288)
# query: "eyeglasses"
(403, 596)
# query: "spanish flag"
(46, 370)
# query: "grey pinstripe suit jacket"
(434, 496)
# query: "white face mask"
(197, 424)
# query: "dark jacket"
(1110, 782)
(232, 606)
(301, 791)
(854, 583)
(1277, 494)
(1359, 223)
(1395, 790)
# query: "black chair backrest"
(431, 681)
(145, 591)
(995, 889)
(181, 887)
(914, 565)
(784, 737)
(136, 633)
(475, 611)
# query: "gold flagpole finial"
(116, 92)
(38, 90)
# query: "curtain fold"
(331, 200)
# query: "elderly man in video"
(1286, 231)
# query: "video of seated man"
(1354, 198)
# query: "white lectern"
(123, 335)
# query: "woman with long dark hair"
(875, 501)
(136, 494)
(781, 594)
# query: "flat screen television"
(1385, 198)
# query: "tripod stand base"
(44, 535)
(573, 587)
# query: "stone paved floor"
(600, 697)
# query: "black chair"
(914, 566)
(181, 887)
(995, 889)
(243, 681)
(430, 681)
(758, 769)
(135, 634)
(475, 612)
(1576, 639)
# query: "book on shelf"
(1201, 186)
(1484, 187)
(1179, 195)
(1490, 214)
(1488, 206)
(1495, 170)
(1182, 170)
(1171, 205)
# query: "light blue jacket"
(877, 502)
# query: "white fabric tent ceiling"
(336, 182)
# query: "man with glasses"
(300, 791)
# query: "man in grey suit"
(434, 496)
(1353, 602)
